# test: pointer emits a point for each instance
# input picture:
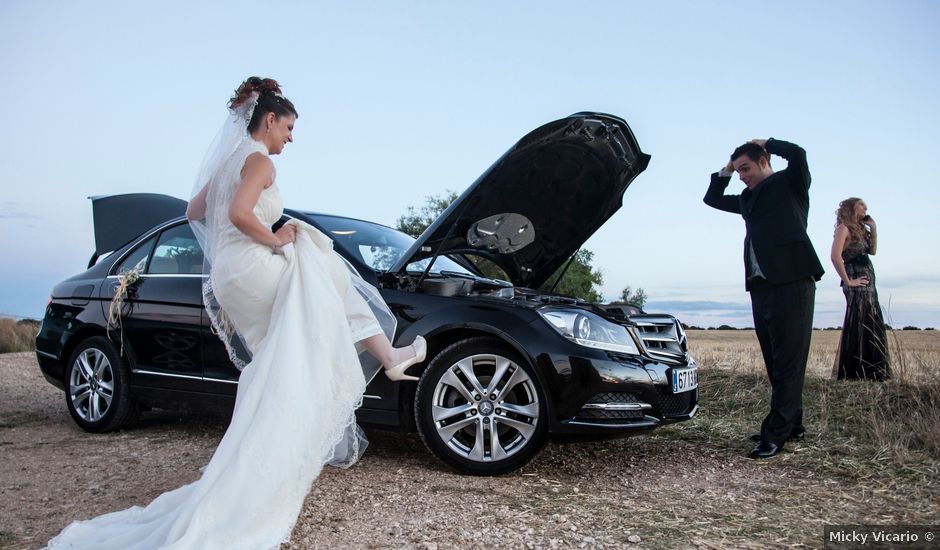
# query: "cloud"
(10, 210)
(701, 306)
(906, 281)
(738, 314)
(704, 312)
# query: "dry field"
(871, 457)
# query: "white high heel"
(397, 373)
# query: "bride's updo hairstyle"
(270, 100)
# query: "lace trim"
(223, 328)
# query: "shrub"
(18, 335)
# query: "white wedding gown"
(296, 400)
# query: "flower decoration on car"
(126, 280)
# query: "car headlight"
(589, 330)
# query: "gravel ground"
(653, 491)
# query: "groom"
(781, 268)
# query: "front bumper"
(611, 394)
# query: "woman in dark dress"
(863, 349)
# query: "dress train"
(294, 412)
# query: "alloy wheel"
(485, 408)
(91, 385)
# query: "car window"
(177, 252)
(379, 247)
(136, 259)
(379, 258)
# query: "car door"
(220, 373)
(161, 318)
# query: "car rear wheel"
(97, 390)
(480, 408)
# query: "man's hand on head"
(727, 171)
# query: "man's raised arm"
(796, 158)
(715, 196)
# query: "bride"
(292, 314)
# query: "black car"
(508, 364)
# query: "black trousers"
(783, 320)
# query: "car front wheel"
(480, 408)
(97, 387)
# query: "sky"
(403, 100)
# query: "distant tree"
(580, 280)
(909, 327)
(628, 296)
(415, 221)
(726, 327)
(930, 328)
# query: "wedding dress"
(296, 400)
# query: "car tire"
(97, 387)
(456, 415)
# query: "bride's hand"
(286, 234)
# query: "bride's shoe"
(397, 373)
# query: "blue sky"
(400, 100)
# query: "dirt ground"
(651, 491)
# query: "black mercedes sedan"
(508, 364)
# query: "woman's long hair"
(845, 215)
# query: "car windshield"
(379, 247)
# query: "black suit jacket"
(774, 215)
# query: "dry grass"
(888, 433)
(17, 335)
(871, 455)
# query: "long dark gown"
(863, 349)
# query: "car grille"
(675, 404)
(663, 338)
(613, 407)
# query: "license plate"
(684, 380)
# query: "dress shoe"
(797, 436)
(397, 373)
(766, 449)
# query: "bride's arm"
(256, 175)
(196, 209)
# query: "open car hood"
(535, 207)
(119, 219)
